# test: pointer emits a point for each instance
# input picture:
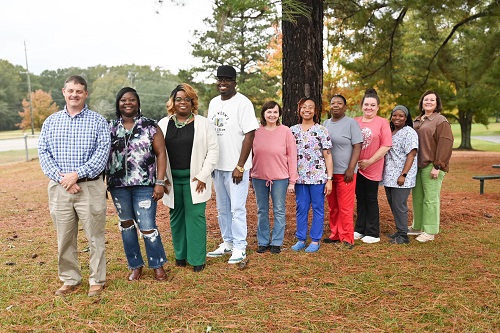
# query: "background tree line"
(291, 48)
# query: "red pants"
(341, 208)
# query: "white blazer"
(204, 157)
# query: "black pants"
(368, 219)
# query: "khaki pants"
(89, 207)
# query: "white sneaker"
(224, 248)
(413, 232)
(425, 237)
(237, 256)
(357, 235)
(370, 239)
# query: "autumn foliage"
(43, 106)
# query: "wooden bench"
(482, 179)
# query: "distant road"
(17, 144)
(495, 139)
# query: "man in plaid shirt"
(73, 149)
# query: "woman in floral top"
(400, 170)
(315, 169)
(135, 174)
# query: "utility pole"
(29, 90)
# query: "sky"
(85, 33)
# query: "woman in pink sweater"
(274, 173)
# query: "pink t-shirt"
(376, 134)
(274, 155)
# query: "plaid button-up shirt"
(80, 143)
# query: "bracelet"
(240, 169)
(160, 182)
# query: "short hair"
(119, 96)
(189, 91)
(269, 105)
(439, 105)
(301, 102)
(339, 96)
(76, 79)
(370, 93)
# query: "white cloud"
(61, 34)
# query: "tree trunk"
(302, 61)
(465, 120)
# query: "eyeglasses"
(309, 107)
(225, 79)
(185, 99)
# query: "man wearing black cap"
(234, 119)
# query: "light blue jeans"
(231, 207)
(136, 203)
(277, 189)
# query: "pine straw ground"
(449, 285)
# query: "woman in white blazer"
(192, 151)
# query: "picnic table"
(483, 178)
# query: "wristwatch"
(240, 169)
(329, 178)
(160, 182)
(404, 175)
(437, 167)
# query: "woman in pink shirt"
(274, 172)
(377, 140)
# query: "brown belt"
(86, 179)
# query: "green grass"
(493, 129)
(17, 155)
(16, 134)
(449, 285)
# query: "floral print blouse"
(310, 145)
(132, 160)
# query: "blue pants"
(136, 203)
(277, 190)
(307, 195)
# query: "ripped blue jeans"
(136, 203)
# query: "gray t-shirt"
(344, 133)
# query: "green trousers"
(427, 201)
(187, 222)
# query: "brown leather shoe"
(136, 274)
(66, 289)
(95, 290)
(160, 273)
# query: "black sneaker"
(198, 268)
(400, 240)
(347, 245)
(180, 262)
(274, 249)
(329, 240)
(262, 249)
(394, 235)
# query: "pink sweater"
(274, 155)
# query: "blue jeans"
(136, 203)
(231, 201)
(277, 189)
(306, 196)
